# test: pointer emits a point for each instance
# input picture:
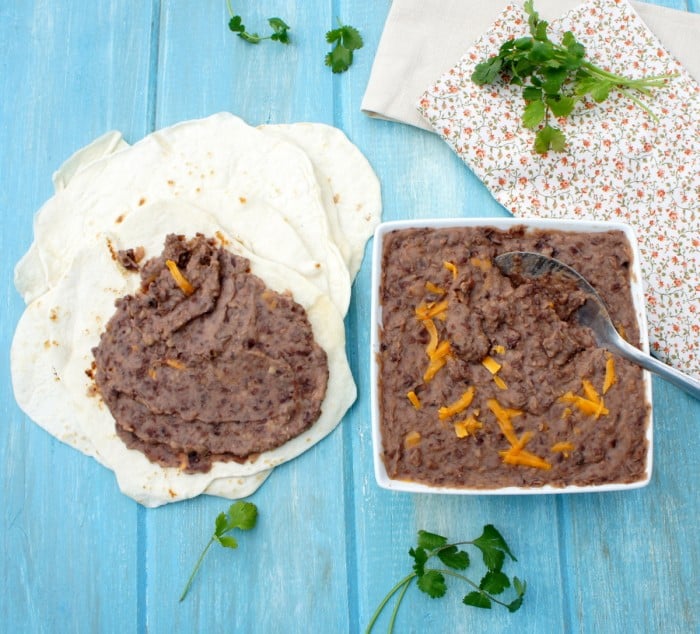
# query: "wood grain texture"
(77, 556)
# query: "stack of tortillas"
(299, 201)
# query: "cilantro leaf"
(242, 516)
(339, 59)
(486, 72)
(493, 547)
(433, 584)
(236, 24)
(280, 30)
(228, 542)
(430, 541)
(532, 93)
(533, 114)
(346, 39)
(561, 106)
(477, 599)
(420, 558)
(453, 558)
(351, 38)
(494, 582)
(549, 138)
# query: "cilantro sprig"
(346, 39)
(453, 560)
(280, 30)
(555, 77)
(241, 516)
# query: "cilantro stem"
(395, 611)
(406, 581)
(639, 103)
(654, 82)
(196, 568)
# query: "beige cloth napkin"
(423, 38)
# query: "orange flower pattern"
(619, 163)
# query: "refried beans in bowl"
(486, 384)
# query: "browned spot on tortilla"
(120, 219)
(142, 202)
(172, 493)
(222, 238)
(47, 344)
(243, 200)
(53, 314)
(171, 183)
(317, 265)
(112, 251)
(336, 198)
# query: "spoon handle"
(679, 379)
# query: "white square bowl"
(636, 283)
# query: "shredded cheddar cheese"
(438, 358)
(503, 416)
(433, 288)
(522, 441)
(517, 455)
(458, 406)
(430, 349)
(590, 392)
(498, 349)
(174, 363)
(467, 427)
(431, 309)
(610, 376)
(433, 367)
(499, 382)
(588, 407)
(451, 268)
(524, 459)
(415, 401)
(412, 439)
(179, 278)
(491, 364)
(563, 447)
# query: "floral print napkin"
(619, 164)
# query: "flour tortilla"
(259, 189)
(83, 301)
(350, 188)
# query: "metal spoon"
(593, 314)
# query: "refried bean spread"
(487, 381)
(205, 363)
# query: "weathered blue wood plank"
(70, 71)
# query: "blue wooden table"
(77, 556)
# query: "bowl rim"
(502, 223)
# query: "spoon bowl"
(592, 314)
